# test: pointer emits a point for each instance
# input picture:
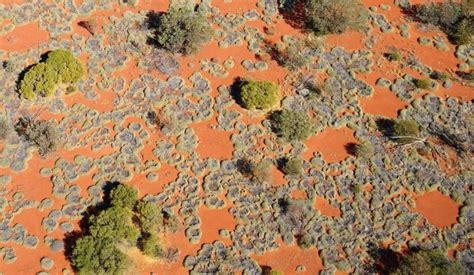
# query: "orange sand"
(439, 210)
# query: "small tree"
(427, 262)
(180, 30)
(114, 222)
(335, 16)
(150, 218)
(124, 196)
(292, 125)
(405, 131)
(69, 68)
(293, 166)
(41, 133)
(259, 94)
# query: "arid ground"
(227, 220)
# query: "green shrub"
(150, 246)
(424, 84)
(393, 56)
(262, 171)
(293, 166)
(335, 16)
(43, 134)
(426, 262)
(405, 130)
(114, 222)
(292, 125)
(94, 255)
(124, 196)
(69, 68)
(256, 94)
(180, 30)
(453, 18)
(364, 150)
(441, 76)
(43, 78)
(5, 128)
(305, 241)
(150, 218)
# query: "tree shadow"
(293, 12)
(385, 126)
(384, 260)
(235, 89)
(152, 22)
(351, 148)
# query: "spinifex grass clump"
(60, 67)
(405, 131)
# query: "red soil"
(438, 209)
(331, 144)
(23, 38)
(325, 208)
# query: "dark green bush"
(180, 30)
(426, 262)
(453, 18)
(114, 222)
(150, 246)
(150, 218)
(335, 16)
(424, 84)
(293, 166)
(92, 255)
(256, 94)
(405, 131)
(292, 125)
(124, 196)
(60, 67)
(393, 56)
(43, 134)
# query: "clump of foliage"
(261, 171)
(393, 56)
(405, 131)
(44, 134)
(293, 57)
(292, 125)
(5, 128)
(364, 150)
(426, 262)
(293, 166)
(334, 16)
(424, 84)
(453, 18)
(60, 67)
(124, 222)
(441, 76)
(261, 95)
(180, 30)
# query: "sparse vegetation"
(180, 30)
(260, 95)
(441, 76)
(405, 131)
(293, 57)
(335, 16)
(292, 125)
(293, 166)
(261, 171)
(60, 67)
(5, 128)
(453, 18)
(44, 134)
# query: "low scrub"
(292, 125)
(180, 30)
(44, 134)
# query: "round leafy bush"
(335, 16)
(43, 78)
(426, 262)
(124, 196)
(180, 30)
(293, 166)
(292, 125)
(259, 94)
(69, 68)
(424, 84)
